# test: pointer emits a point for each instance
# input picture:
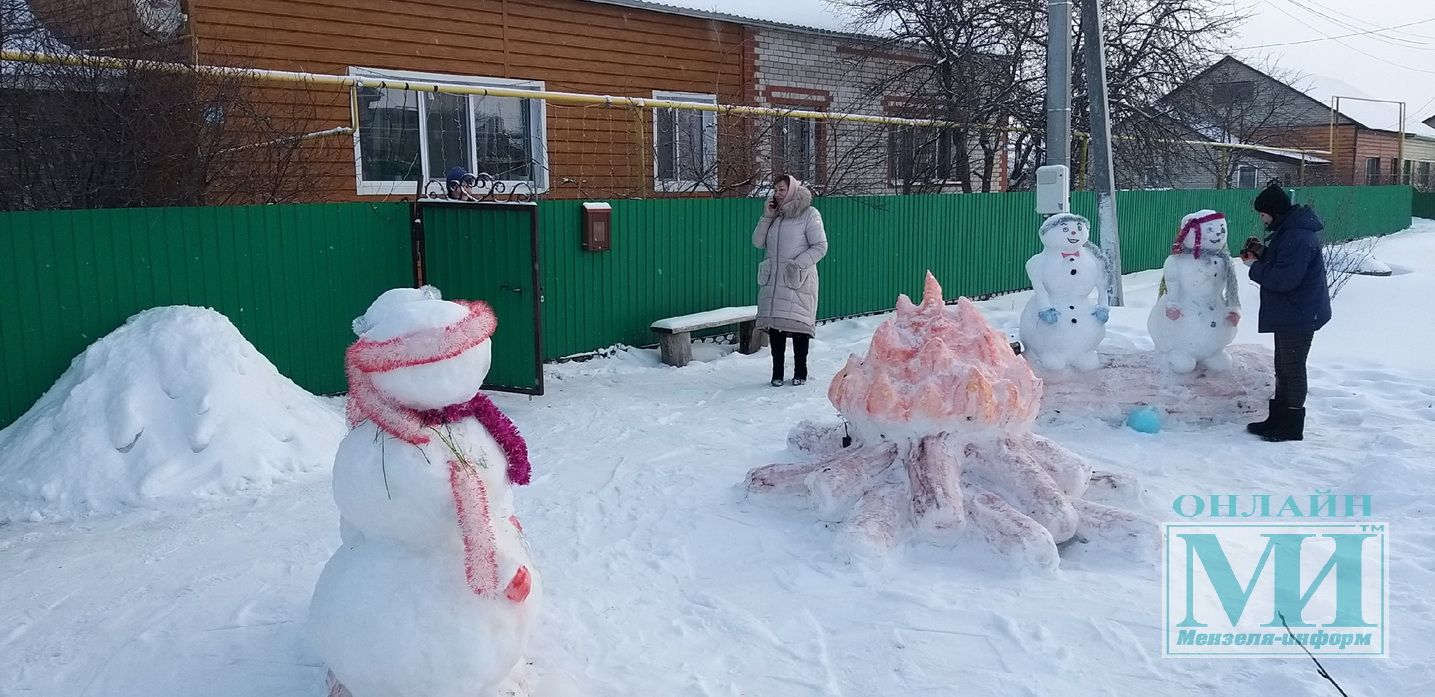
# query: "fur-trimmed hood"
(799, 198)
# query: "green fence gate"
(489, 252)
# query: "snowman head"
(416, 353)
(1065, 232)
(1202, 230)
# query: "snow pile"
(175, 404)
(1370, 266)
(1130, 379)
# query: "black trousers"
(1292, 349)
(779, 353)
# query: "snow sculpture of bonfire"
(940, 413)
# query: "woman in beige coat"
(791, 233)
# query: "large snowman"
(1060, 326)
(1199, 306)
(432, 592)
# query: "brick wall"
(825, 72)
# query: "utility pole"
(1058, 83)
(1104, 179)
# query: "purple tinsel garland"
(498, 425)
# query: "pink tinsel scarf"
(1193, 225)
(364, 358)
(480, 548)
(515, 449)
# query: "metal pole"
(1058, 83)
(1102, 170)
(1335, 106)
(1400, 168)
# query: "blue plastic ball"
(1144, 420)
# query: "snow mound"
(1127, 380)
(1370, 266)
(174, 405)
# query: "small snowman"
(1199, 305)
(433, 590)
(1060, 326)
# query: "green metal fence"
(292, 277)
(672, 257)
(1423, 204)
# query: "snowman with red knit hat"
(1199, 306)
(433, 590)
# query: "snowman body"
(1196, 316)
(433, 591)
(1061, 325)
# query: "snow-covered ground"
(661, 580)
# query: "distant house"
(1192, 157)
(1363, 137)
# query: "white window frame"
(1255, 176)
(538, 124)
(710, 143)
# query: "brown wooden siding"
(570, 45)
(1352, 146)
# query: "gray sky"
(1398, 64)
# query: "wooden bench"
(675, 334)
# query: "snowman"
(1060, 326)
(433, 590)
(1199, 305)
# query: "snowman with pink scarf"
(432, 591)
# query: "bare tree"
(987, 66)
(971, 67)
(132, 121)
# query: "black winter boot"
(1261, 428)
(1290, 425)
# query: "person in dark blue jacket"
(1295, 302)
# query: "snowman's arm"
(1103, 289)
(1033, 272)
(1170, 274)
(1233, 286)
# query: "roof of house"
(813, 23)
(1374, 115)
(1214, 134)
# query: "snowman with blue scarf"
(1061, 325)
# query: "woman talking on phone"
(791, 233)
